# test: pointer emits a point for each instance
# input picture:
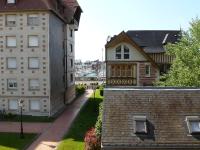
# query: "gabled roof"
(30, 5)
(152, 41)
(123, 37)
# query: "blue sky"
(103, 18)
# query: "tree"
(185, 69)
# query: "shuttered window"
(33, 20)
(11, 63)
(33, 41)
(11, 20)
(34, 84)
(33, 63)
(11, 41)
(13, 104)
(35, 105)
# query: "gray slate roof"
(152, 40)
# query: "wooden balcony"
(121, 81)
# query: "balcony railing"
(121, 81)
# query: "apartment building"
(37, 54)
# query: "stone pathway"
(53, 134)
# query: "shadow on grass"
(12, 141)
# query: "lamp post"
(21, 127)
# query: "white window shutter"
(11, 41)
(35, 105)
(34, 84)
(13, 104)
(33, 63)
(12, 63)
(33, 41)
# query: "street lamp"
(21, 131)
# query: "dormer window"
(140, 124)
(193, 123)
(118, 52)
(11, 1)
(126, 52)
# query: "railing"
(122, 81)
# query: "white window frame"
(33, 20)
(189, 120)
(31, 87)
(126, 53)
(33, 108)
(118, 52)
(11, 60)
(149, 70)
(30, 66)
(11, 106)
(34, 42)
(140, 119)
(12, 82)
(11, 22)
(11, 41)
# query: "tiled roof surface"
(165, 109)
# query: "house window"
(11, 41)
(12, 84)
(33, 20)
(71, 48)
(140, 124)
(126, 52)
(71, 63)
(33, 63)
(11, 63)
(13, 104)
(11, 1)
(33, 41)
(11, 20)
(118, 52)
(35, 105)
(147, 70)
(193, 123)
(34, 84)
(71, 77)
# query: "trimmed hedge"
(80, 89)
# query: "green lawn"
(26, 118)
(86, 119)
(12, 141)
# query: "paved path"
(28, 127)
(50, 138)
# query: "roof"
(27, 5)
(166, 110)
(152, 41)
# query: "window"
(33, 63)
(147, 70)
(71, 77)
(71, 48)
(118, 52)
(11, 1)
(35, 105)
(71, 33)
(33, 41)
(193, 123)
(13, 104)
(71, 63)
(11, 20)
(34, 84)
(140, 124)
(126, 52)
(11, 41)
(12, 84)
(11, 63)
(33, 20)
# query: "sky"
(103, 18)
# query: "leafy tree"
(185, 69)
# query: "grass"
(12, 141)
(27, 118)
(86, 119)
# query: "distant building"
(151, 118)
(137, 58)
(37, 54)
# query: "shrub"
(101, 90)
(98, 125)
(92, 142)
(80, 89)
